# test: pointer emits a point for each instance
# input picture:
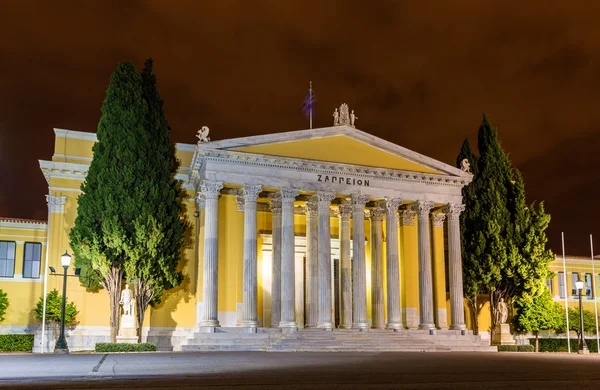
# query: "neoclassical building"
(328, 228)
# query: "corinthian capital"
(392, 204)
(56, 204)
(453, 210)
(345, 210)
(251, 193)
(423, 208)
(407, 216)
(211, 189)
(325, 197)
(288, 194)
(311, 209)
(437, 219)
(275, 202)
(376, 213)
(359, 201)
(200, 200)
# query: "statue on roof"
(336, 117)
(344, 115)
(465, 165)
(353, 118)
(202, 134)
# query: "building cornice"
(63, 170)
(325, 168)
(19, 223)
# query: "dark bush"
(16, 342)
(560, 345)
(526, 348)
(118, 347)
(508, 348)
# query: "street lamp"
(61, 345)
(583, 349)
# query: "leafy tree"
(156, 245)
(54, 309)
(538, 313)
(589, 322)
(106, 208)
(3, 304)
(504, 240)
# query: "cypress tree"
(160, 225)
(106, 207)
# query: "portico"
(345, 217)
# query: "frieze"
(342, 180)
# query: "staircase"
(318, 340)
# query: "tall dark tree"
(156, 247)
(106, 208)
(473, 274)
(504, 241)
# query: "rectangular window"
(32, 259)
(561, 284)
(574, 279)
(549, 284)
(7, 259)
(588, 286)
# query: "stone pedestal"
(502, 335)
(127, 330)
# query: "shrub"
(560, 345)
(16, 342)
(118, 347)
(508, 348)
(526, 348)
(3, 304)
(54, 309)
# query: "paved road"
(259, 370)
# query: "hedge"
(516, 348)
(16, 342)
(123, 347)
(560, 345)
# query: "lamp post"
(61, 344)
(583, 349)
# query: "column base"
(396, 326)
(363, 326)
(325, 325)
(288, 324)
(458, 327)
(210, 323)
(249, 324)
(427, 326)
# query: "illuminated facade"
(326, 228)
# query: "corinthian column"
(345, 211)
(210, 190)
(457, 314)
(288, 261)
(312, 253)
(250, 290)
(392, 265)
(425, 276)
(324, 316)
(276, 261)
(359, 269)
(377, 314)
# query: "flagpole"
(566, 292)
(310, 94)
(595, 290)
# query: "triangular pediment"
(340, 144)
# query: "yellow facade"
(66, 172)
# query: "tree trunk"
(537, 334)
(112, 285)
(493, 317)
(474, 314)
(143, 296)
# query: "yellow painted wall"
(439, 274)
(339, 149)
(409, 264)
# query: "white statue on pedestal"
(352, 118)
(336, 117)
(127, 301)
(502, 313)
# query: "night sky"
(418, 74)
